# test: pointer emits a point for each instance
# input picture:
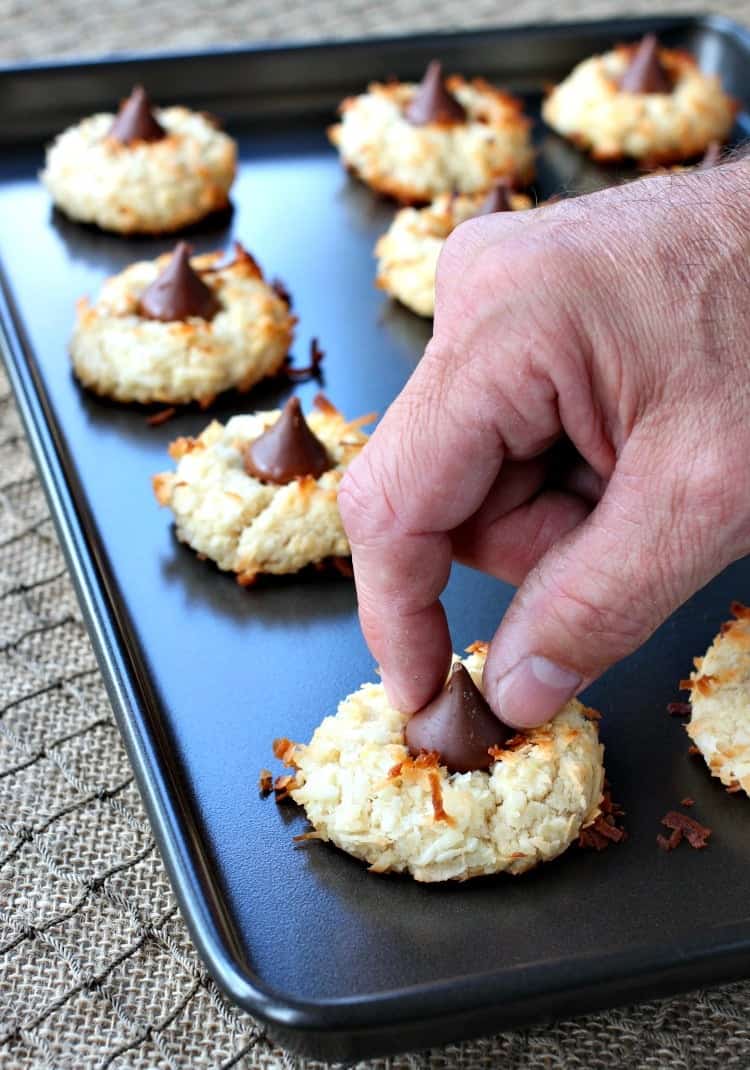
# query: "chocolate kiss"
(287, 450)
(135, 120)
(178, 292)
(458, 724)
(497, 200)
(432, 103)
(711, 157)
(646, 73)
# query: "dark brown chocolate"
(287, 450)
(135, 121)
(646, 73)
(178, 292)
(432, 103)
(458, 725)
(497, 200)
(711, 157)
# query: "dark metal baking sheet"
(203, 675)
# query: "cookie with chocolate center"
(145, 170)
(179, 329)
(447, 794)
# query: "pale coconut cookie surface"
(364, 791)
(125, 349)
(240, 501)
(439, 150)
(408, 252)
(642, 101)
(720, 703)
(141, 171)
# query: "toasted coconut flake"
(265, 782)
(161, 417)
(697, 835)
(284, 749)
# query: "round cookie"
(121, 354)
(249, 525)
(141, 186)
(415, 163)
(408, 252)
(363, 792)
(591, 108)
(720, 702)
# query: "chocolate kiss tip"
(645, 72)
(178, 292)
(497, 200)
(135, 121)
(287, 450)
(458, 725)
(432, 103)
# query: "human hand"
(619, 321)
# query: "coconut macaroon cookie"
(414, 142)
(446, 794)
(259, 494)
(408, 252)
(720, 703)
(642, 101)
(141, 171)
(180, 329)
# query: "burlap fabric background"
(96, 966)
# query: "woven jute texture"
(96, 966)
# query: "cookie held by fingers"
(720, 703)
(258, 495)
(372, 781)
(643, 101)
(179, 329)
(143, 171)
(414, 142)
(408, 252)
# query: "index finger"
(427, 467)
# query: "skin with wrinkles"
(577, 426)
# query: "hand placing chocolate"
(135, 121)
(646, 73)
(179, 292)
(458, 725)
(432, 103)
(619, 322)
(287, 450)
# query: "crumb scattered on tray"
(607, 828)
(161, 417)
(683, 828)
(687, 801)
(678, 709)
(265, 782)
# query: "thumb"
(599, 592)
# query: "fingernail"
(534, 690)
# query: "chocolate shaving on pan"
(279, 288)
(312, 371)
(161, 417)
(683, 827)
(679, 709)
(607, 828)
(265, 782)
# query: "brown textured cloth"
(96, 966)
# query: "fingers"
(509, 546)
(599, 592)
